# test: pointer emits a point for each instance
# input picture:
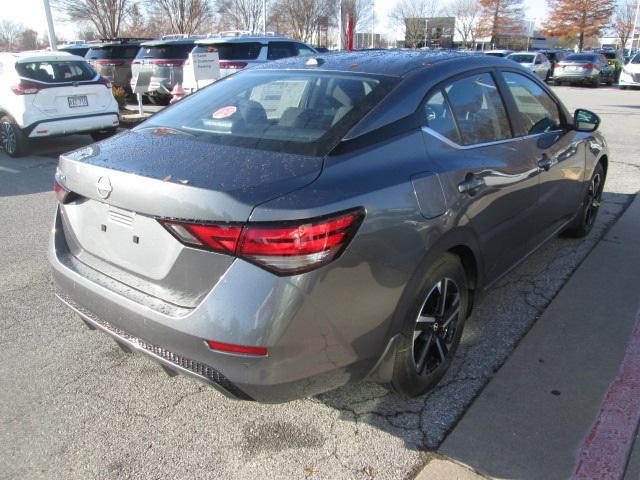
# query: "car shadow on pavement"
(501, 318)
(34, 172)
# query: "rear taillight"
(111, 63)
(285, 249)
(169, 63)
(589, 66)
(225, 64)
(63, 195)
(105, 81)
(26, 87)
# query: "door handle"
(544, 164)
(470, 185)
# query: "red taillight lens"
(589, 66)
(105, 81)
(62, 194)
(26, 87)
(241, 349)
(111, 63)
(168, 63)
(225, 64)
(219, 238)
(285, 249)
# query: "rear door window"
(56, 72)
(281, 50)
(537, 110)
(439, 117)
(478, 109)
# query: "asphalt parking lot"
(73, 405)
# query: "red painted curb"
(605, 451)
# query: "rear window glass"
(522, 58)
(293, 112)
(581, 57)
(79, 51)
(233, 51)
(180, 52)
(56, 72)
(610, 55)
(115, 51)
(635, 59)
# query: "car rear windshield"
(56, 71)
(610, 55)
(580, 57)
(635, 59)
(293, 112)
(232, 51)
(79, 51)
(111, 52)
(522, 58)
(166, 52)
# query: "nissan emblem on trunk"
(104, 187)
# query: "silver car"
(538, 63)
(316, 221)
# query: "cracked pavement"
(73, 405)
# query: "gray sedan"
(312, 222)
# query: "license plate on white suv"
(78, 101)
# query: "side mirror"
(585, 121)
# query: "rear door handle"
(470, 185)
(544, 164)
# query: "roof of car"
(382, 62)
(169, 41)
(38, 56)
(245, 39)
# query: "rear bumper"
(629, 80)
(70, 125)
(248, 306)
(575, 78)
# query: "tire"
(430, 337)
(596, 83)
(588, 212)
(12, 139)
(557, 83)
(102, 134)
(159, 101)
(622, 87)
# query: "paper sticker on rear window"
(224, 112)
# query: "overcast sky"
(31, 13)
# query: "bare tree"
(467, 14)
(241, 14)
(623, 21)
(301, 17)
(183, 16)
(106, 16)
(410, 16)
(10, 32)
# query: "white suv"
(44, 94)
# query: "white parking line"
(10, 170)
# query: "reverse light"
(241, 349)
(282, 248)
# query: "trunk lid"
(125, 184)
(70, 100)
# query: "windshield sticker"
(224, 112)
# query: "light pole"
(52, 34)
(264, 17)
(635, 24)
